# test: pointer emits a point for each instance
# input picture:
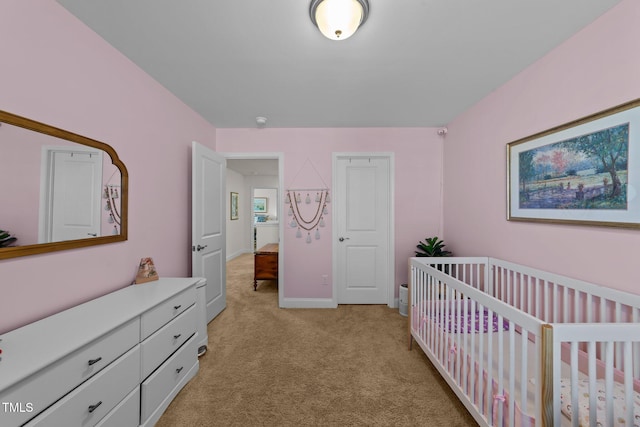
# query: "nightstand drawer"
(48, 385)
(168, 339)
(89, 403)
(159, 316)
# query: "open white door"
(208, 225)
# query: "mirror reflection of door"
(71, 194)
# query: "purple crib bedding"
(459, 322)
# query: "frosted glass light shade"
(338, 19)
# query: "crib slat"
(565, 304)
(591, 346)
(537, 312)
(464, 273)
(500, 372)
(538, 352)
(521, 291)
(488, 385)
(510, 292)
(628, 383)
(554, 304)
(472, 364)
(461, 321)
(574, 385)
(608, 379)
(438, 331)
(512, 373)
(618, 345)
(465, 349)
(447, 325)
(546, 302)
(523, 369)
(636, 347)
(529, 294)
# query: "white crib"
(524, 347)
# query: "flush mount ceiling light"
(338, 19)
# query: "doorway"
(266, 219)
(252, 175)
(363, 247)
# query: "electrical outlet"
(325, 279)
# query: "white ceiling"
(413, 63)
(255, 167)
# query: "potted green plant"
(6, 239)
(432, 247)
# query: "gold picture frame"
(233, 206)
(584, 172)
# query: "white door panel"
(362, 221)
(359, 260)
(208, 225)
(215, 288)
(73, 194)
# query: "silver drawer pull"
(94, 361)
(175, 307)
(94, 407)
(175, 337)
(179, 369)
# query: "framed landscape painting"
(260, 204)
(584, 172)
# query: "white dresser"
(117, 360)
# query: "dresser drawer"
(162, 314)
(53, 382)
(125, 414)
(168, 339)
(89, 403)
(155, 389)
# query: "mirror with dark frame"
(60, 190)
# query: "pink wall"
(57, 71)
(596, 69)
(418, 155)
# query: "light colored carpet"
(310, 367)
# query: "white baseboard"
(308, 303)
(318, 303)
(238, 253)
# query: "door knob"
(342, 239)
(201, 247)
